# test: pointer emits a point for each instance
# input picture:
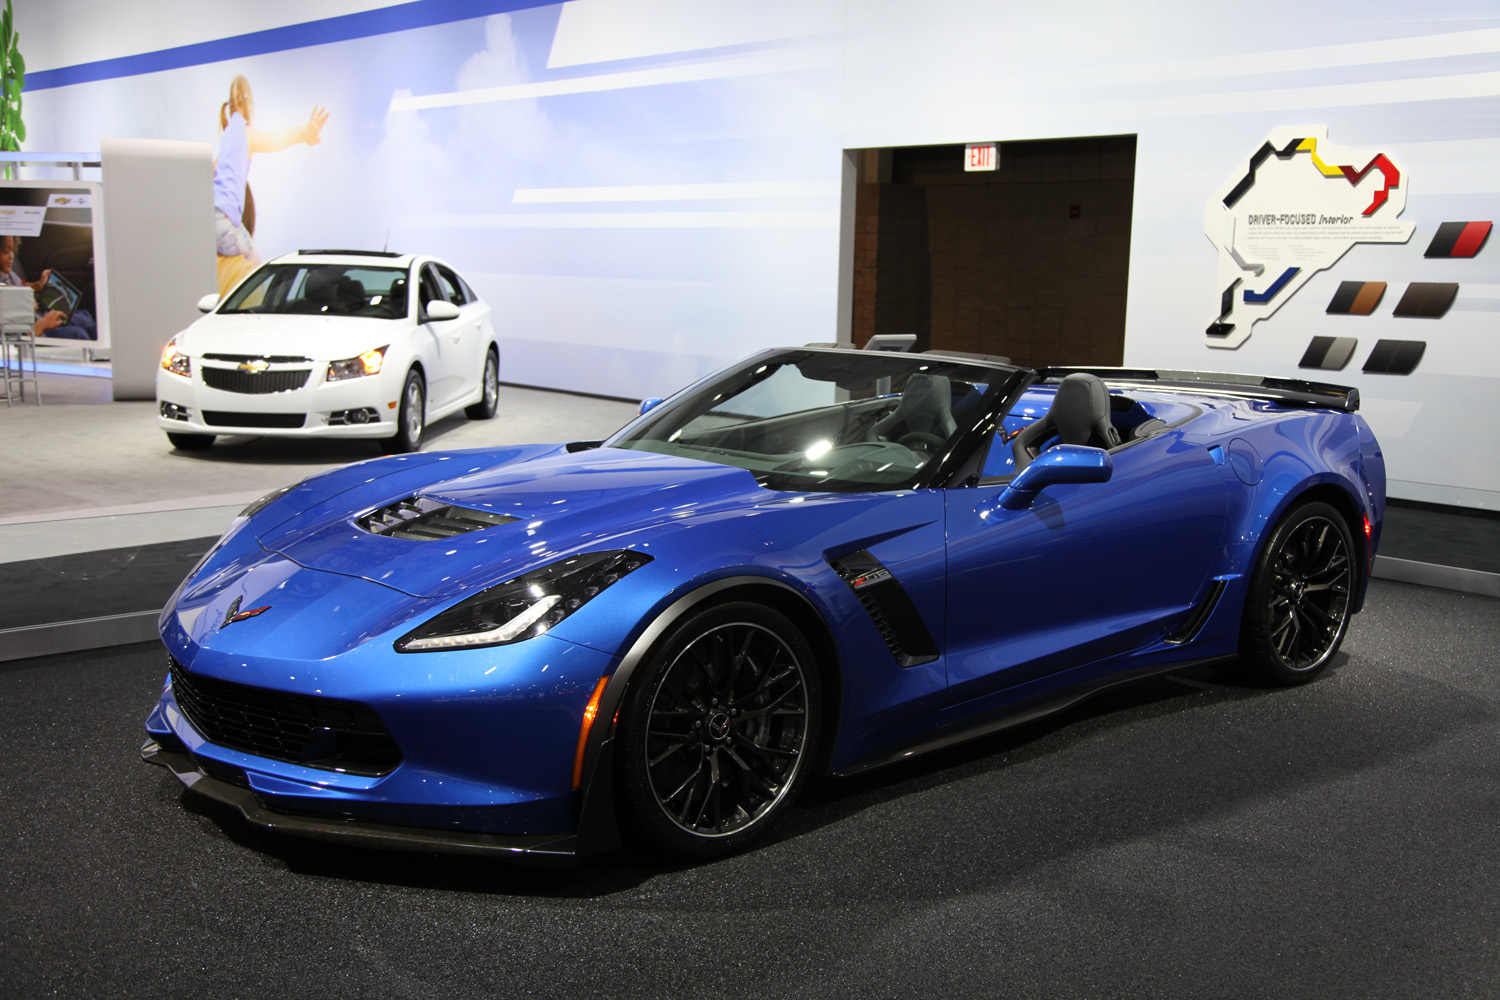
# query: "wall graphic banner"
(1297, 207)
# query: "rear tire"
(411, 419)
(718, 731)
(191, 442)
(490, 400)
(1298, 607)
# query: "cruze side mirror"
(208, 302)
(648, 403)
(439, 310)
(1063, 463)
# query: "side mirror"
(1063, 463)
(648, 403)
(438, 311)
(208, 303)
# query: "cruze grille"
(285, 421)
(327, 733)
(255, 383)
(420, 517)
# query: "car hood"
(562, 503)
(319, 337)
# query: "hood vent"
(428, 520)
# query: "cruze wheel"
(485, 408)
(718, 730)
(1297, 610)
(411, 418)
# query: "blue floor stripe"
(421, 14)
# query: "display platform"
(1186, 837)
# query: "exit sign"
(981, 156)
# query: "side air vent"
(889, 607)
(428, 520)
(1198, 617)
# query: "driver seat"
(925, 407)
(1079, 415)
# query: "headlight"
(259, 504)
(178, 364)
(367, 363)
(524, 607)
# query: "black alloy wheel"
(490, 400)
(411, 418)
(1298, 608)
(718, 730)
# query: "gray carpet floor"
(1186, 837)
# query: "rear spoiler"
(1287, 391)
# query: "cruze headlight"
(367, 363)
(177, 364)
(524, 607)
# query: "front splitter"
(540, 849)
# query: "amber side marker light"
(1369, 553)
(590, 712)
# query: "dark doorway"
(1029, 261)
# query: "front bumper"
(197, 408)
(542, 849)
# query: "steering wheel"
(921, 441)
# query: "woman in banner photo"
(238, 142)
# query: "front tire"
(718, 731)
(411, 419)
(1298, 607)
(190, 442)
(490, 401)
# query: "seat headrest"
(1081, 405)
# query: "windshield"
(825, 420)
(322, 290)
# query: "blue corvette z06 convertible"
(816, 560)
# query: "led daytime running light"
(505, 633)
(524, 607)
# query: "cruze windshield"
(824, 420)
(322, 290)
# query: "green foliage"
(12, 80)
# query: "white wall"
(647, 189)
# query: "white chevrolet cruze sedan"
(332, 343)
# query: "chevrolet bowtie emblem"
(254, 367)
(234, 614)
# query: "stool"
(18, 341)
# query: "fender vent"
(1198, 617)
(428, 520)
(889, 607)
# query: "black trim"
(889, 607)
(542, 849)
(351, 253)
(1189, 629)
(1008, 716)
(1287, 391)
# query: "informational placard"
(1294, 209)
(21, 220)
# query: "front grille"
(424, 518)
(327, 733)
(222, 418)
(255, 383)
(275, 359)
